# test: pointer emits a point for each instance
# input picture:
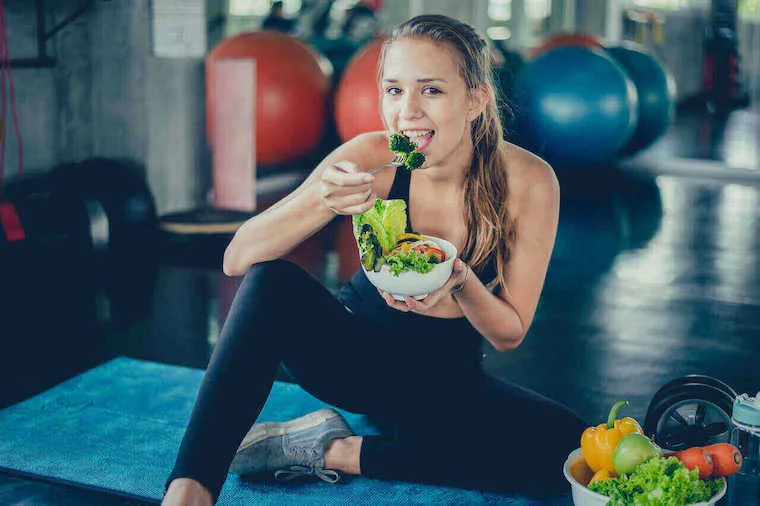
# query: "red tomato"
(431, 252)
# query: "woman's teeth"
(419, 137)
(414, 134)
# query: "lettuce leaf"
(413, 261)
(658, 482)
(387, 219)
(394, 222)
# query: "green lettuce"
(387, 220)
(413, 261)
(658, 482)
(376, 231)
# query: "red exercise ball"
(357, 101)
(566, 39)
(292, 92)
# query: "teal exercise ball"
(574, 107)
(656, 89)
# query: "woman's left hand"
(425, 305)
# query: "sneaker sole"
(266, 430)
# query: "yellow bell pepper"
(598, 443)
(602, 475)
(409, 235)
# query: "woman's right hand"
(347, 190)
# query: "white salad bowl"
(578, 474)
(412, 283)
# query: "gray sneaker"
(291, 449)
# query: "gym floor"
(655, 275)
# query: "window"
(498, 33)
(260, 8)
(538, 10)
(249, 7)
(749, 9)
(500, 10)
(672, 5)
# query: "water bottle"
(744, 486)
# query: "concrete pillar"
(520, 25)
(73, 82)
(613, 25)
(481, 22)
(591, 16)
(603, 18)
(148, 109)
(563, 16)
(120, 49)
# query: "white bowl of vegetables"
(402, 264)
(412, 283)
(657, 470)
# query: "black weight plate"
(690, 380)
(685, 402)
(710, 393)
(691, 423)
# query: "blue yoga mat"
(118, 426)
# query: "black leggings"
(452, 424)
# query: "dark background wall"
(107, 95)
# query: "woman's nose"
(410, 107)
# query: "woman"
(414, 365)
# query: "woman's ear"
(478, 102)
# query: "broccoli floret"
(415, 159)
(405, 151)
(400, 143)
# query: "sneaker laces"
(293, 472)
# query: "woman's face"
(425, 98)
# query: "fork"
(398, 161)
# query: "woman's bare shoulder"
(529, 176)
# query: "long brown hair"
(489, 227)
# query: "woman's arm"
(504, 319)
(280, 228)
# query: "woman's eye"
(431, 90)
(392, 91)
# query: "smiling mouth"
(421, 138)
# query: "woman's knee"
(277, 267)
(272, 275)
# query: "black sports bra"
(400, 190)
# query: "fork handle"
(378, 169)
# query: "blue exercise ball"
(656, 88)
(575, 107)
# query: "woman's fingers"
(358, 194)
(357, 198)
(339, 176)
(422, 305)
(395, 304)
(346, 190)
(345, 180)
(352, 204)
(361, 208)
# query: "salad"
(381, 238)
(658, 481)
(631, 469)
